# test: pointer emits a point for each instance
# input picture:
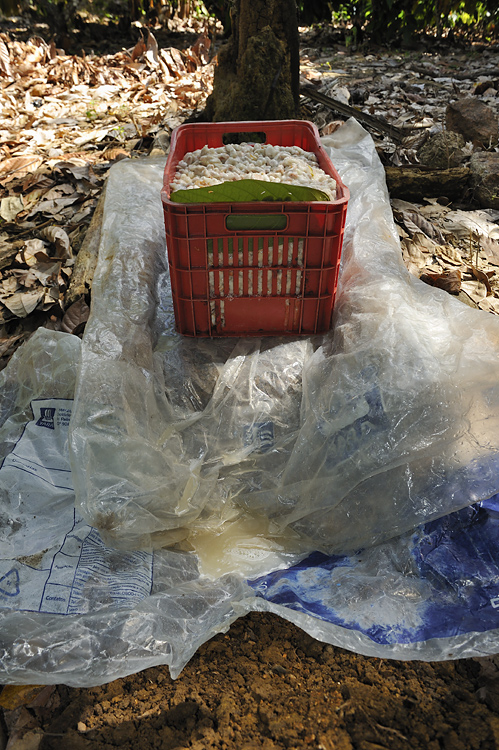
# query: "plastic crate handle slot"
(237, 135)
(256, 222)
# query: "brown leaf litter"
(65, 119)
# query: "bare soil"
(267, 684)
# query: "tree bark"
(184, 8)
(257, 76)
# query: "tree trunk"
(257, 76)
(184, 8)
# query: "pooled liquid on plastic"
(244, 546)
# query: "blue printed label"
(370, 421)
(260, 436)
(46, 418)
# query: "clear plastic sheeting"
(190, 482)
(340, 442)
(73, 610)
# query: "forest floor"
(66, 118)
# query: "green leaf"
(248, 191)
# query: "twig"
(392, 731)
(397, 134)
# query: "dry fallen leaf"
(33, 252)
(451, 255)
(4, 60)
(60, 239)
(461, 223)
(414, 222)
(7, 346)
(17, 166)
(75, 317)
(151, 53)
(46, 273)
(201, 48)
(482, 277)
(413, 255)
(21, 304)
(426, 244)
(8, 250)
(9, 286)
(489, 304)
(53, 207)
(173, 59)
(449, 281)
(490, 249)
(14, 696)
(115, 153)
(475, 289)
(10, 207)
(139, 49)
(332, 127)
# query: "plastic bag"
(430, 595)
(29, 516)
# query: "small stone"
(484, 167)
(81, 727)
(474, 120)
(443, 150)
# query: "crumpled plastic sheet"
(388, 421)
(356, 472)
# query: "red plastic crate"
(253, 282)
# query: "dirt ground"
(267, 684)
